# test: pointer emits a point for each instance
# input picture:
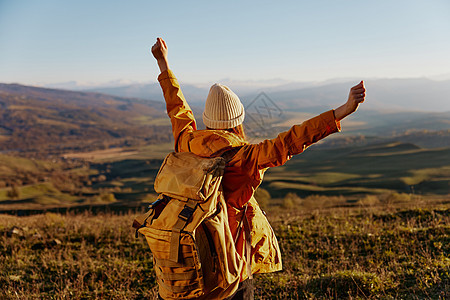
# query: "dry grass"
(55, 256)
(366, 252)
(101, 154)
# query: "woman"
(223, 117)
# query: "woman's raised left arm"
(180, 113)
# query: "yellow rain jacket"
(244, 172)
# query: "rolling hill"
(377, 168)
(41, 120)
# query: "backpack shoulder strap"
(248, 244)
(244, 226)
(229, 153)
(182, 220)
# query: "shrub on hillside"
(106, 198)
(263, 197)
(14, 193)
(369, 200)
(397, 198)
(291, 200)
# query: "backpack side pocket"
(182, 279)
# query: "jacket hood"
(208, 143)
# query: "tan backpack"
(187, 229)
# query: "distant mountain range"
(419, 94)
(393, 106)
(43, 120)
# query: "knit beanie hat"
(223, 109)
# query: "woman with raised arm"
(223, 117)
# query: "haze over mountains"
(417, 94)
(56, 121)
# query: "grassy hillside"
(357, 218)
(369, 253)
(126, 177)
(32, 185)
(37, 121)
(354, 222)
(379, 168)
(38, 184)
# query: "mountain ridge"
(415, 94)
(45, 120)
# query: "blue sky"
(50, 41)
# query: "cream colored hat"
(223, 109)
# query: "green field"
(376, 169)
(350, 172)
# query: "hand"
(159, 49)
(356, 96)
(160, 52)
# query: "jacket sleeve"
(275, 152)
(181, 116)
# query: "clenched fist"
(159, 51)
(356, 96)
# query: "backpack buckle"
(158, 201)
(186, 213)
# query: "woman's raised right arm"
(275, 152)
